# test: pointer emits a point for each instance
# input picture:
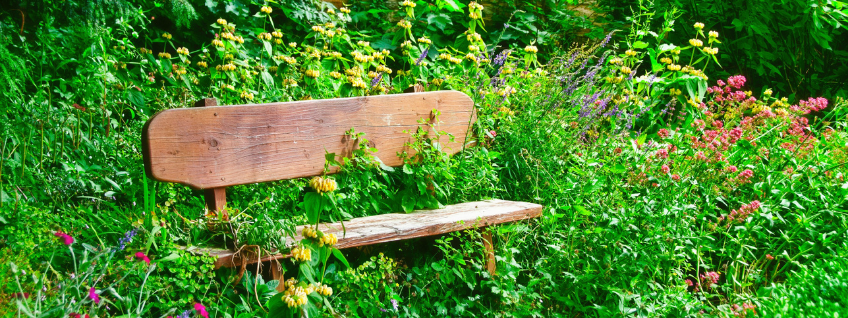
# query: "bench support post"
(216, 198)
(488, 244)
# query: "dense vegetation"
(673, 185)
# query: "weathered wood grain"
(399, 226)
(212, 147)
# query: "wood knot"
(213, 143)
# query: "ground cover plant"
(668, 190)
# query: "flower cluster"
(740, 215)
(323, 185)
(301, 254)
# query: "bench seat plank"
(400, 226)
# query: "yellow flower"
(471, 57)
(713, 34)
(277, 34)
(344, 10)
(699, 25)
(364, 43)
(424, 40)
(313, 73)
(164, 55)
(301, 254)
(665, 60)
(405, 24)
(292, 44)
(336, 75)
(407, 3)
(266, 10)
(264, 36)
(615, 61)
(631, 53)
(222, 22)
(531, 49)
(328, 239)
(696, 42)
(331, 11)
(202, 64)
(673, 67)
(626, 70)
(167, 36)
(182, 50)
(309, 232)
(384, 69)
(217, 42)
(321, 184)
(768, 92)
(711, 50)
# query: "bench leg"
(277, 274)
(216, 198)
(490, 251)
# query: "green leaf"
(312, 204)
(407, 202)
(640, 45)
(440, 20)
(338, 254)
(136, 98)
(307, 272)
(407, 169)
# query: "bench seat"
(400, 226)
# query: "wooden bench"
(211, 148)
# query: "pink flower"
(142, 257)
(201, 310)
(700, 155)
(675, 177)
(662, 153)
(769, 257)
(709, 278)
(720, 83)
(732, 169)
(664, 169)
(736, 81)
(689, 283)
(494, 133)
(92, 293)
(68, 240)
(663, 133)
(745, 176)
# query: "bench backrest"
(216, 147)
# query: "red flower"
(68, 240)
(92, 293)
(675, 177)
(663, 133)
(142, 257)
(201, 310)
(769, 257)
(664, 169)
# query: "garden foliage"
(672, 185)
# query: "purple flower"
(422, 56)
(394, 304)
(127, 239)
(376, 80)
(185, 314)
(607, 39)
